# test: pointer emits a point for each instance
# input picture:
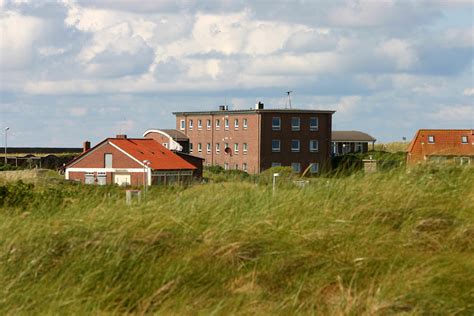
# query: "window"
(236, 123)
(199, 147)
(313, 145)
(358, 147)
(190, 124)
(313, 124)
(245, 148)
(236, 148)
(199, 124)
(296, 166)
(464, 139)
(236, 166)
(218, 123)
(182, 124)
(108, 160)
(431, 139)
(226, 123)
(226, 166)
(226, 145)
(295, 123)
(314, 167)
(276, 164)
(245, 123)
(276, 123)
(190, 147)
(208, 124)
(208, 148)
(244, 166)
(295, 145)
(218, 147)
(276, 145)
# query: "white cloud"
(399, 52)
(78, 111)
(468, 92)
(452, 113)
(18, 36)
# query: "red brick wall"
(160, 138)
(259, 156)
(96, 159)
(304, 135)
(222, 135)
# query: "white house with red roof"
(129, 161)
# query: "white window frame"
(311, 142)
(199, 124)
(293, 164)
(191, 124)
(226, 123)
(208, 148)
(276, 127)
(236, 123)
(111, 160)
(274, 149)
(218, 147)
(295, 127)
(200, 147)
(312, 127)
(316, 165)
(244, 166)
(208, 124)
(182, 125)
(190, 147)
(226, 166)
(236, 148)
(245, 123)
(218, 123)
(466, 138)
(431, 139)
(245, 148)
(295, 150)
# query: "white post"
(274, 181)
(6, 132)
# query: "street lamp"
(6, 133)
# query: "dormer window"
(431, 139)
(464, 140)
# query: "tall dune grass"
(387, 243)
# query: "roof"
(447, 142)
(173, 133)
(142, 149)
(254, 111)
(351, 136)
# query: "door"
(122, 179)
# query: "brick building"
(256, 139)
(440, 145)
(128, 161)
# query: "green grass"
(386, 243)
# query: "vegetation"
(393, 147)
(386, 243)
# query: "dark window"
(275, 145)
(276, 123)
(313, 123)
(295, 123)
(295, 145)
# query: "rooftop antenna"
(289, 97)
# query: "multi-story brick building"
(256, 139)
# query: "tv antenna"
(289, 97)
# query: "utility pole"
(6, 137)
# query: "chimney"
(223, 107)
(86, 146)
(259, 106)
(123, 136)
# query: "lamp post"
(6, 137)
(275, 175)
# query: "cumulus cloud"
(468, 92)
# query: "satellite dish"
(228, 151)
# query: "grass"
(386, 243)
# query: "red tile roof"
(447, 142)
(160, 158)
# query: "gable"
(95, 158)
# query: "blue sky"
(77, 70)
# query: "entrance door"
(122, 179)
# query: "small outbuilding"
(345, 142)
(131, 162)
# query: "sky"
(86, 70)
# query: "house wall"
(222, 135)
(95, 161)
(195, 161)
(286, 157)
